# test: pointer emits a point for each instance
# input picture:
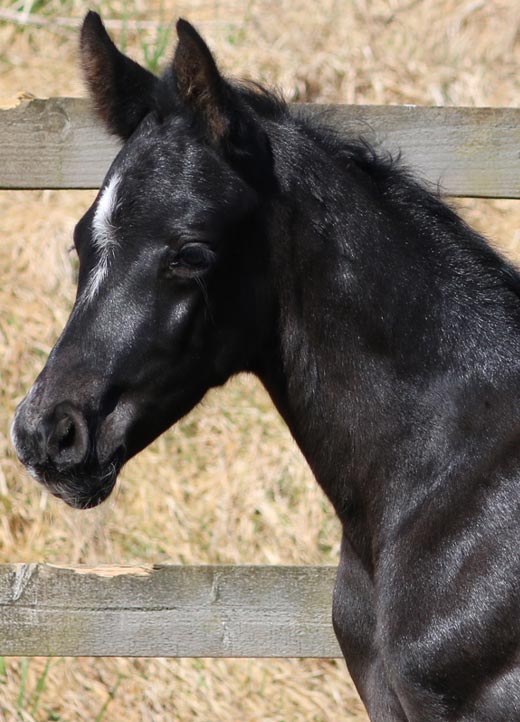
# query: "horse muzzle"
(56, 447)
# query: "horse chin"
(79, 489)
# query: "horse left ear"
(199, 83)
(123, 91)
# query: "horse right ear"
(122, 90)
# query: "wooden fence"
(166, 611)
(56, 143)
(215, 611)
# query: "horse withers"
(235, 234)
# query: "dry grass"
(227, 484)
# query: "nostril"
(67, 439)
(64, 433)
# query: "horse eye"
(194, 256)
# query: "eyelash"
(191, 259)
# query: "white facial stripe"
(96, 277)
(102, 223)
(103, 237)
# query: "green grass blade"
(111, 695)
(40, 687)
(24, 669)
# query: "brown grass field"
(227, 484)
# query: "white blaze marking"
(13, 434)
(103, 237)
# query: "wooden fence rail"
(166, 611)
(56, 143)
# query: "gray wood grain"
(56, 143)
(166, 611)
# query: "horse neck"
(393, 318)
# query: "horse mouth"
(80, 489)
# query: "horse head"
(172, 292)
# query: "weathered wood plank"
(166, 611)
(56, 143)
(53, 143)
(471, 152)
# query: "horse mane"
(412, 197)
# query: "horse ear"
(123, 91)
(219, 108)
(199, 83)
